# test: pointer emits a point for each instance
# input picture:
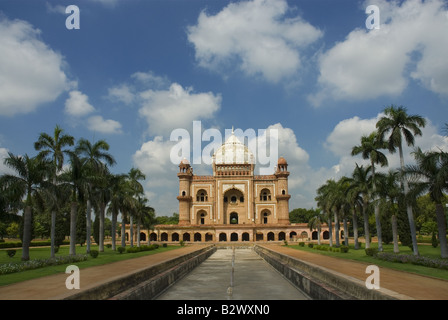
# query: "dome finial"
(232, 131)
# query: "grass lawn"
(105, 257)
(360, 255)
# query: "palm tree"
(94, 158)
(370, 149)
(30, 175)
(119, 193)
(354, 200)
(134, 176)
(316, 223)
(148, 217)
(399, 124)
(362, 183)
(74, 180)
(52, 147)
(390, 192)
(324, 202)
(431, 175)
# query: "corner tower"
(282, 197)
(185, 176)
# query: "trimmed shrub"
(121, 249)
(302, 244)
(310, 245)
(344, 249)
(11, 252)
(94, 253)
(371, 251)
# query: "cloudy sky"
(136, 70)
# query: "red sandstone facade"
(233, 204)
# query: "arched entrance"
(271, 236)
(222, 237)
(175, 236)
(234, 236)
(197, 237)
(245, 236)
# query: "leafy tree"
(431, 174)
(30, 173)
(52, 148)
(398, 124)
(370, 149)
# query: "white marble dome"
(233, 151)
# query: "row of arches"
(235, 236)
(202, 196)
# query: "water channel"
(233, 274)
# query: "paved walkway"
(409, 284)
(53, 287)
(252, 279)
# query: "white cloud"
(153, 159)
(122, 93)
(78, 104)
(256, 35)
(32, 73)
(97, 123)
(347, 134)
(176, 107)
(410, 44)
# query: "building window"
(265, 195)
(283, 192)
(241, 199)
(183, 193)
(225, 199)
(233, 199)
(202, 218)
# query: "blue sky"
(138, 69)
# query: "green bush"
(310, 245)
(11, 252)
(109, 245)
(434, 241)
(94, 253)
(371, 251)
(181, 243)
(121, 249)
(166, 245)
(302, 244)
(344, 249)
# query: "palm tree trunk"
(53, 233)
(138, 233)
(113, 228)
(330, 231)
(123, 230)
(408, 206)
(73, 214)
(355, 229)
(377, 213)
(318, 235)
(345, 231)
(366, 225)
(441, 226)
(336, 228)
(395, 233)
(88, 225)
(26, 234)
(131, 230)
(101, 235)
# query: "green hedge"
(142, 248)
(18, 244)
